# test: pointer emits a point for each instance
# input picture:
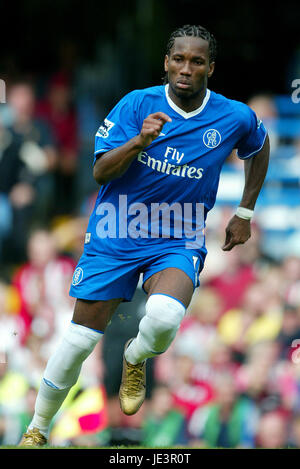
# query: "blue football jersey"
(164, 196)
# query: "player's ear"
(211, 69)
(166, 63)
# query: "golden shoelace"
(135, 378)
(34, 437)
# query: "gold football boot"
(33, 437)
(133, 385)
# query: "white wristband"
(244, 213)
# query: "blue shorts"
(103, 277)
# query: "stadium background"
(232, 376)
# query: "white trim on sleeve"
(254, 152)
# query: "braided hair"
(194, 31)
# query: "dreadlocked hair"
(195, 31)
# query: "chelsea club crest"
(77, 277)
(211, 138)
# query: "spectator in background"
(23, 418)
(256, 379)
(238, 274)
(270, 382)
(190, 390)
(290, 330)
(69, 234)
(291, 280)
(30, 359)
(43, 284)
(286, 385)
(57, 109)
(200, 377)
(294, 434)
(222, 360)
(9, 326)
(231, 273)
(272, 431)
(251, 323)
(26, 176)
(197, 332)
(13, 388)
(10, 167)
(164, 425)
(272, 282)
(264, 107)
(229, 422)
(21, 98)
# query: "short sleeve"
(119, 126)
(253, 134)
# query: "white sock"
(157, 329)
(48, 402)
(61, 373)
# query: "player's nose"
(186, 69)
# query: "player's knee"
(165, 309)
(161, 322)
(64, 365)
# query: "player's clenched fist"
(152, 126)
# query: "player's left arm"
(238, 230)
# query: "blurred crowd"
(231, 378)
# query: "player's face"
(188, 66)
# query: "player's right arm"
(114, 163)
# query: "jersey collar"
(184, 114)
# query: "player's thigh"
(171, 281)
(95, 314)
